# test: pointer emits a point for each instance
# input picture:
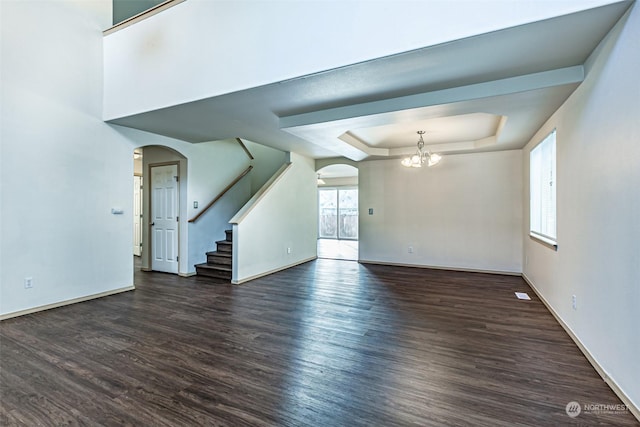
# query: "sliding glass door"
(348, 213)
(328, 202)
(338, 213)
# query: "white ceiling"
(488, 92)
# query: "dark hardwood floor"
(327, 343)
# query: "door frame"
(149, 244)
(141, 218)
(338, 188)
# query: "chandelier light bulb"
(422, 156)
(434, 159)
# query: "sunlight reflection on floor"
(338, 249)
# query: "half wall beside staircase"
(277, 228)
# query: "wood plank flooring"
(327, 343)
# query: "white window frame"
(543, 191)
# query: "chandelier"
(422, 156)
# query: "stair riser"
(214, 273)
(221, 260)
(223, 248)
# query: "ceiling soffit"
(511, 98)
(507, 75)
(484, 93)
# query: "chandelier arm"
(422, 155)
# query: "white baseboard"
(66, 302)
(439, 267)
(275, 270)
(601, 371)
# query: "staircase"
(218, 263)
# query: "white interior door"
(137, 215)
(164, 218)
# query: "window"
(543, 190)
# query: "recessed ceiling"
(483, 93)
(439, 130)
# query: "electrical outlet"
(410, 249)
(288, 250)
(28, 282)
(574, 302)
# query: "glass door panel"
(348, 209)
(328, 203)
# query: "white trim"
(441, 267)
(188, 274)
(67, 302)
(601, 371)
(541, 157)
(275, 270)
(141, 16)
(544, 239)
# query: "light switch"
(370, 211)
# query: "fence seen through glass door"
(338, 213)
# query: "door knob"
(152, 224)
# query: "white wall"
(62, 168)
(201, 49)
(267, 161)
(211, 226)
(285, 217)
(598, 209)
(466, 213)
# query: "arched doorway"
(159, 181)
(338, 212)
